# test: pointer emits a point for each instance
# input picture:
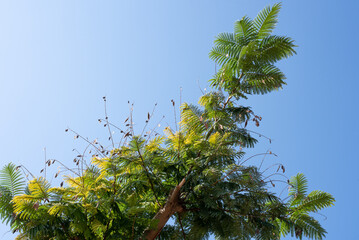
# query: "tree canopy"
(193, 181)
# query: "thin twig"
(108, 125)
(45, 161)
(180, 105)
(83, 158)
(23, 167)
(277, 180)
(154, 129)
(200, 87)
(236, 168)
(282, 191)
(263, 160)
(259, 154)
(148, 119)
(180, 221)
(133, 227)
(260, 135)
(86, 140)
(67, 168)
(174, 112)
(131, 120)
(113, 125)
(276, 164)
(273, 174)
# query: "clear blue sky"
(58, 58)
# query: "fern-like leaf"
(316, 201)
(299, 186)
(266, 20)
(305, 225)
(11, 178)
(244, 28)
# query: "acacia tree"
(197, 175)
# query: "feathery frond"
(266, 20)
(298, 186)
(11, 178)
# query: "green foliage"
(248, 55)
(11, 185)
(11, 179)
(199, 172)
(301, 205)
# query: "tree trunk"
(171, 207)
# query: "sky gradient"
(59, 58)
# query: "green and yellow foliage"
(197, 175)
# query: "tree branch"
(171, 207)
